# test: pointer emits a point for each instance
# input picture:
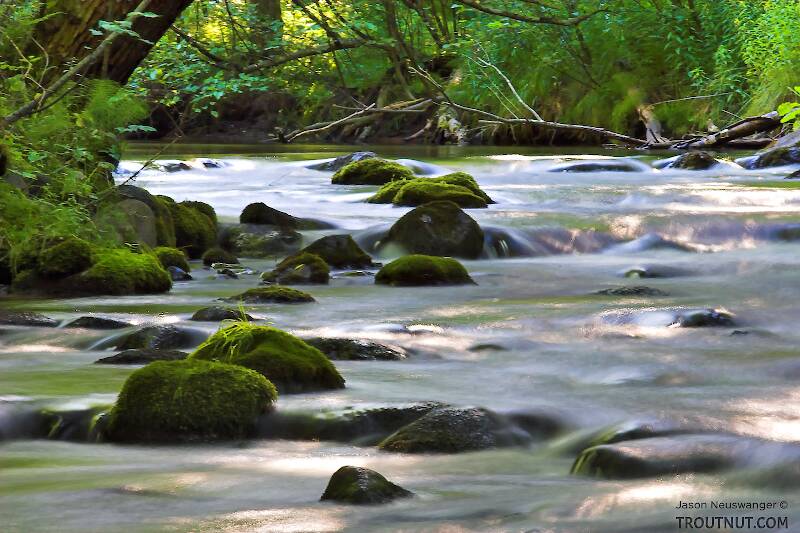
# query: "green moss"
(171, 257)
(273, 294)
(421, 191)
(165, 225)
(360, 486)
(123, 272)
(371, 172)
(203, 207)
(288, 362)
(416, 270)
(70, 256)
(195, 232)
(387, 192)
(189, 400)
(339, 251)
(299, 269)
(218, 255)
(458, 187)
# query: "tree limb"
(574, 21)
(322, 49)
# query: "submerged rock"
(454, 430)
(365, 427)
(655, 271)
(359, 486)
(342, 161)
(97, 322)
(437, 228)
(635, 290)
(300, 269)
(609, 165)
(26, 318)
(161, 338)
(355, 350)
(662, 456)
(288, 362)
(218, 314)
(339, 251)
(142, 356)
(704, 318)
(191, 400)
(371, 172)
(272, 294)
(421, 270)
(259, 240)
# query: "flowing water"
(589, 361)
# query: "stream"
(586, 360)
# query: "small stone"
(362, 486)
(97, 322)
(178, 274)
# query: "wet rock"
(360, 486)
(794, 175)
(454, 430)
(172, 166)
(161, 338)
(74, 425)
(190, 400)
(651, 241)
(259, 240)
(437, 228)
(634, 291)
(178, 274)
(195, 226)
(209, 163)
(261, 214)
(342, 161)
(364, 427)
(141, 220)
(663, 456)
(97, 322)
(371, 172)
(487, 347)
(689, 161)
(26, 318)
(142, 356)
(300, 269)
(218, 314)
(218, 255)
(423, 270)
(273, 294)
(355, 350)
(164, 223)
(609, 165)
(537, 424)
(704, 318)
(655, 271)
(776, 157)
(339, 251)
(288, 362)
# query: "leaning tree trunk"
(66, 34)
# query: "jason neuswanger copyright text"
(733, 515)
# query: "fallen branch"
(308, 131)
(734, 132)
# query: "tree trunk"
(270, 12)
(66, 34)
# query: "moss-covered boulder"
(274, 294)
(776, 157)
(362, 486)
(120, 271)
(218, 314)
(218, 255)
(71, 256)
(190, 400)
(203, 207)
(454, 430)
(371, 172)
(342, 161)
(437, 228)
(696, 160)
(195, 230)
(171, 257)
(299, 269)
(339, 251)
(458, 187)
(419, 270)
(288, 362)
(164, 225)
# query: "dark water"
(588, 361)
